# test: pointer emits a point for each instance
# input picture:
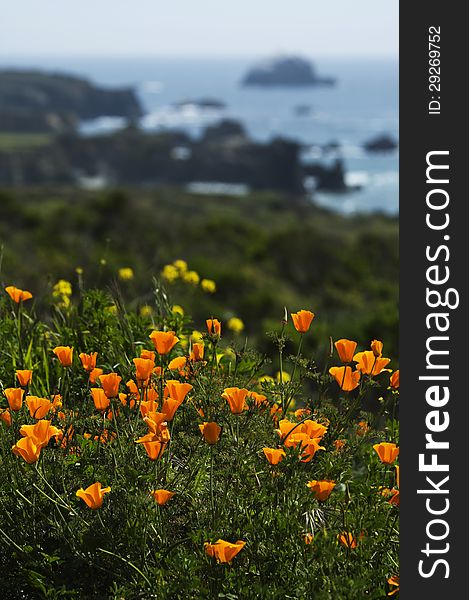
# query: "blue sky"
(199, 27)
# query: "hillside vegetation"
(263, 252)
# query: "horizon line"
(147, 56)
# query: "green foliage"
(54, 546)
(263, 251)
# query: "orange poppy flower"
(394, 380)
(302, 320)
(348, 540)
(154, 448)
(5, 416)
(387, 452)
(394, 582)
(321, 489)
(144, 368)
(148, 354)
(100, 399)
(274, 455)
(369, 363)
(105, 437)
(308, 538)
(160, 434)
(93, 495)
(293, 440)
(177, 390)
(312, 428)
(38, 407)
(345, 349)
(394, 500)
(56, 402)
(66, 438)
(197, 352)
(147, 406)
(301, 413)
(285, 426)
(170, 407)
(95, 374)
(41, 432)
(236, 398)
(260, 400)
(309, 446)
(339, 444)
(213, 327)
(275, 412)
(64, 354)
(164, 341)
(377, 348)
(223, 551)
(347, 379)
(88, 361)
(18, 295)
(124, 400)
(157, 426)
(14, 397)
(162, 496)
(211, 432)
(24, 377)
(155, 421)
(362, 428)
(110, 384)
(150, 395)
(133, 388)
(177, 363)
(27, 449)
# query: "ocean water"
(362, 105)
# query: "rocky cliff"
(39, 101)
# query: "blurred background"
(256, 143)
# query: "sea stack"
(287, 71)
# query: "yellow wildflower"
(191, 277)
(177, 310)
(170, 273)
(180, 265)
(146, 311)
(126, 274)
(286, 377)
(208, 286)
(196, 337)
(235, 324)
(62, 288)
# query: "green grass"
(22, 141)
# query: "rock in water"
(290, 71)
(381, 143)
